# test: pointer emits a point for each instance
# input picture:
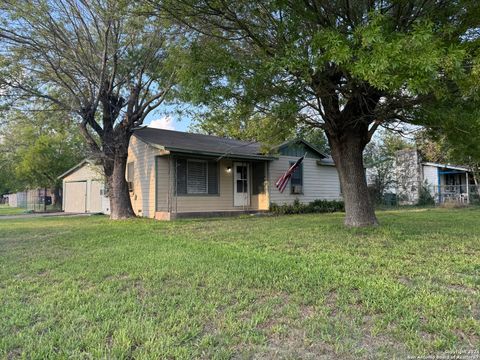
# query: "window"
(130, 175)
(130, 170)
(196, 177)
(296, 181)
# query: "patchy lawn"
(272, 287)
(7, 210)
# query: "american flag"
(281, 183)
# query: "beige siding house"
(174, 174)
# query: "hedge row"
(317, 206)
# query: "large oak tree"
(345, 66)
(101, 60)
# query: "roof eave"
(446, 166)
(223, 155)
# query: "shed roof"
(76, 167)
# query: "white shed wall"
(430, 175)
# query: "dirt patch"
(14, 354)
(459, 288)
(295, 345)
(331, 301)
(405, 281)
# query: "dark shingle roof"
(177, 141)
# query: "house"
(174, 174)
(444, 182)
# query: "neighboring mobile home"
(444, 182)
(174, 174)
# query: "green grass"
(266, 287)
(7, 210)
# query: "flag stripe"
(282, 182)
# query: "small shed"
(84, 189)
(18, 199)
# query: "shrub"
(317, 206)
(424, 196)
(474, 197)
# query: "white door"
(75, 197)
(95, 197)
(241, 183)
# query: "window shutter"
(181, 176)
(212, 177)
(258, 178)
(197, 177)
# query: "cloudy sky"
(163, 120)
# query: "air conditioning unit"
(130, 186)
(297, 189)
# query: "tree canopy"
(105, 62)
(347, 67)
(37, 147)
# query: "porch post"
(468, 190)
(439, 186)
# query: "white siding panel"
(319, 182)
(87, 171)
(430, 175)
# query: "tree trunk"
(120, 204)
(476, 176)
(57, 198)
(347, 152)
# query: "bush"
(474, 197)
(317, 206)
(425, 197)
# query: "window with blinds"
(296, 181)
(196, 177)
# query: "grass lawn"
(7, 210)
(265, 287)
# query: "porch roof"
(199, 144)
(448, 166)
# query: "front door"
(241, 193)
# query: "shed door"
(75, 197)
(96, 197)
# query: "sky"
(168, 119)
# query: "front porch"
(455, 185)
(202, 186)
